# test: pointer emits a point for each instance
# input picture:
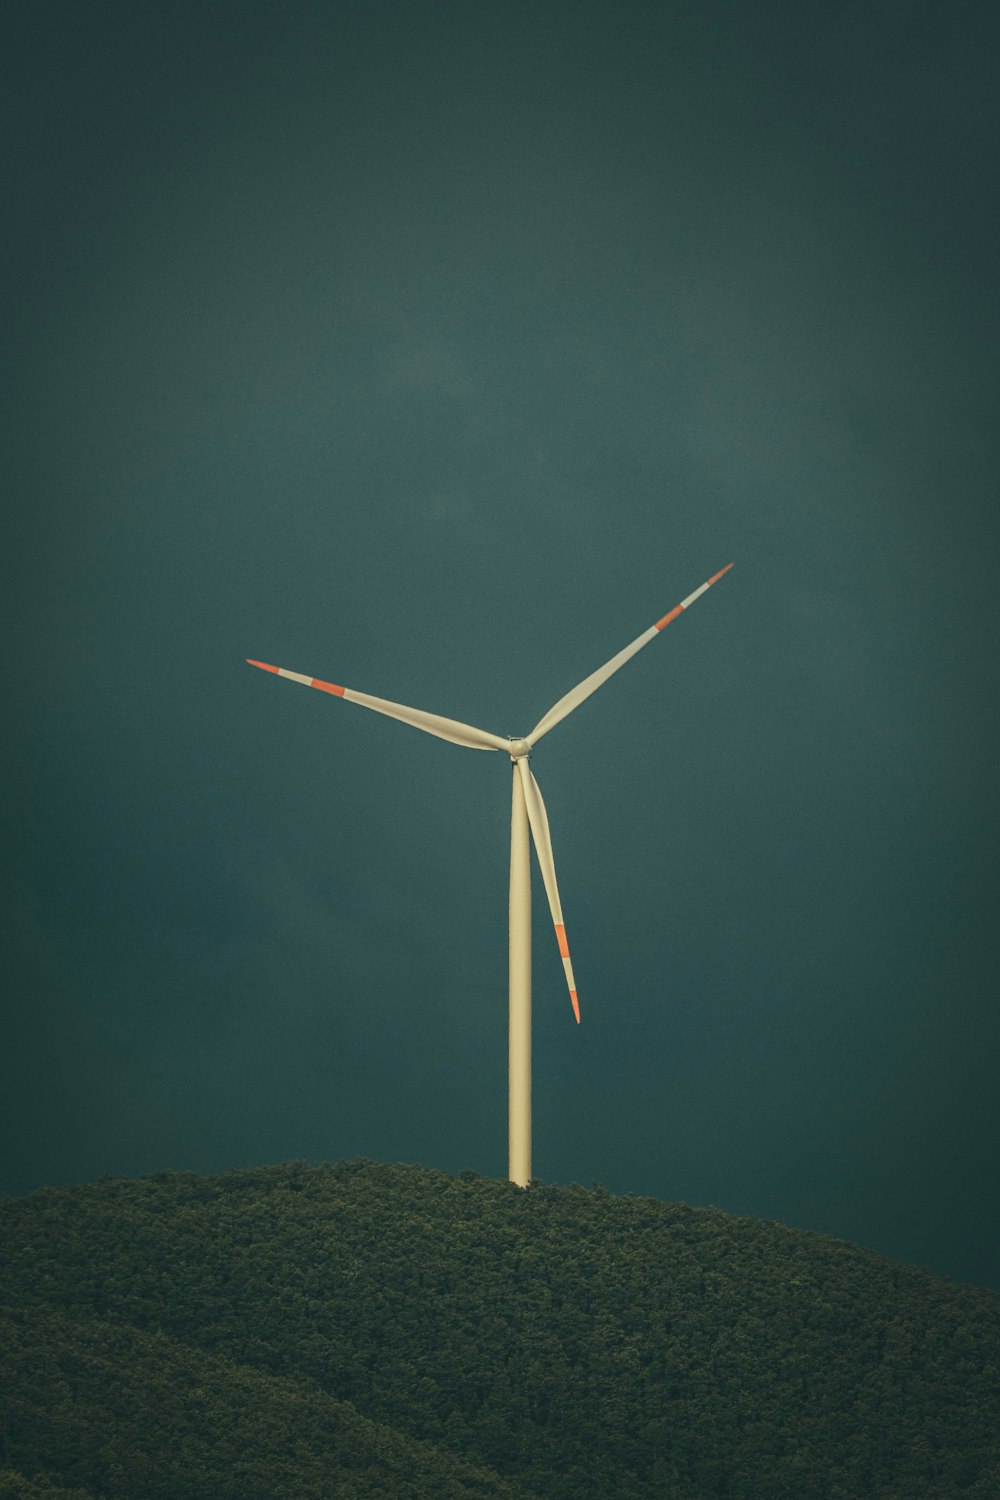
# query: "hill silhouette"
(364, 1330)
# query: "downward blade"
(445, 729)
(590, 684)
(538, 819)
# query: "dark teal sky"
(438, 349)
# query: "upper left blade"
(445, 729)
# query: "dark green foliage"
(14, 1486)
(137, 1414)
(574, 1343)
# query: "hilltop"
(361, 1330)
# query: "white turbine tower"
(527, 810)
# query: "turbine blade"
(590, 684)
(538, 818)
(445, 729)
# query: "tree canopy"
(358, 1329)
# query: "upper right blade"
(590, 684)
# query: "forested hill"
(359, 1330)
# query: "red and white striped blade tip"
(716, 576)
(264, 666)
(576, 1005)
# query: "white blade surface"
(445, 729)
(538, 819)
(590, 684)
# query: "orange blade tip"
(576, 1005)
(264, 667)
(719, 574)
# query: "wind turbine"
(527, 811)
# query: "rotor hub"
(519, 749)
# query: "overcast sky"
(438, 349)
